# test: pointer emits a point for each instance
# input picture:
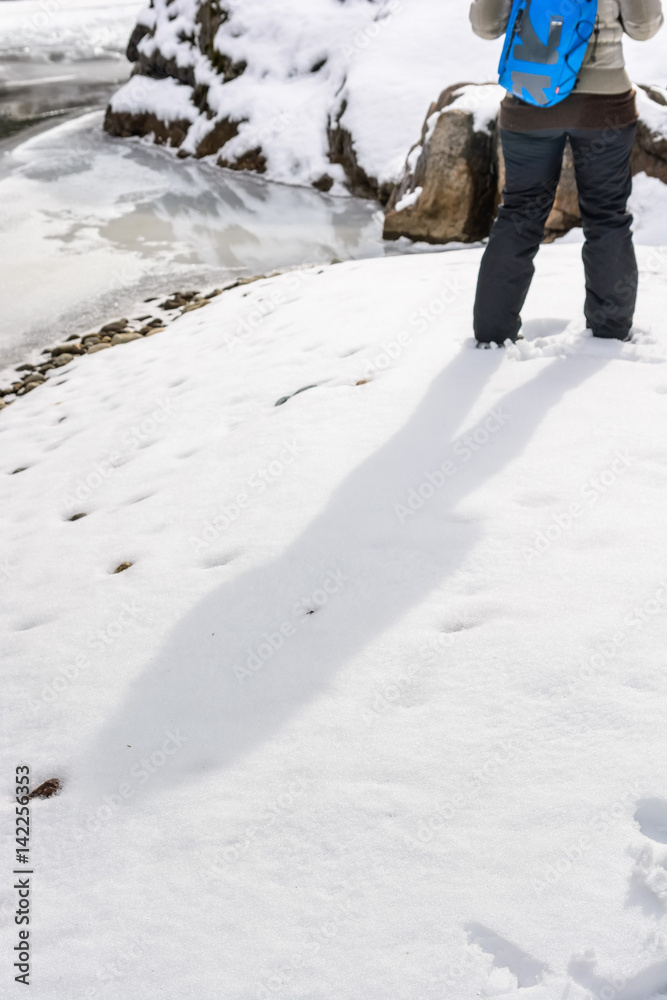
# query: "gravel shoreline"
(30, 376)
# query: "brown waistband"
(576, 111)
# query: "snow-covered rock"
(449, 190)
(454, 175)
(323, 92)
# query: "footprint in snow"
(527, 971)
(651, 814)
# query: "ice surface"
(88, 224)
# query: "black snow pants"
(533, 164)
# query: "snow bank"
(368, 713)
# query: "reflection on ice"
(90, 224)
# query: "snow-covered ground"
(378, 708)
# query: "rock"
(25, 368)
(62, 359)
(449, 189)
(122, 566)
(124, 338)
(650, 152)
(2, 404)
(323, 183)
(97, 347)
(446, 187)
(194, 305)
(66, 349)
(154, 329)
(114, 327)
(178, 299)
(125, 124)
(46, 789)
(565, 212)
(76, 517)
(342, 151)
(91, 339)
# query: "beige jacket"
(606, 74)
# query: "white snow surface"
(445, 782)
(384, 62)
(74, 29)
(409, 198)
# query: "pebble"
(112, 334)
(124, 338)
(62, 359)
(66, 349)
(46, 789)
(114, 327)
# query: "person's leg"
(532, 171)
(604, 181)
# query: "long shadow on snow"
(192, 685)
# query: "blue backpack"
(544, 48)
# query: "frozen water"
(90, 224)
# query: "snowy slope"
(447, 781)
